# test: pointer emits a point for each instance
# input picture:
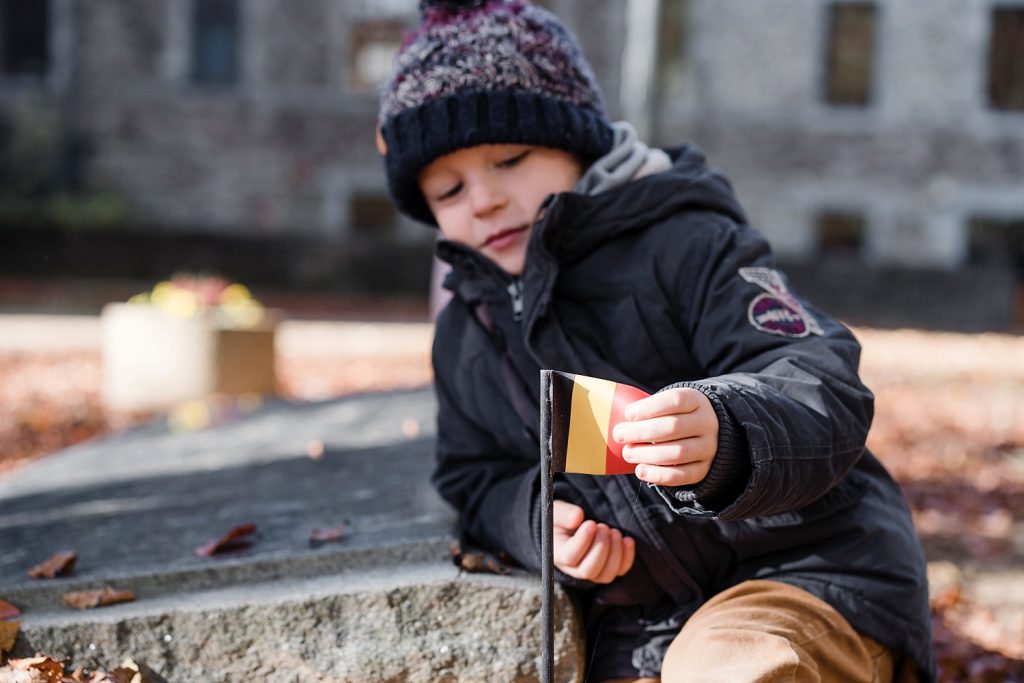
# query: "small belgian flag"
(582, 412)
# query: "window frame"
(872, 71)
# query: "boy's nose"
(487, 197)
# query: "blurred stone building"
(870, 136)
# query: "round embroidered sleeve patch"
(777, 311)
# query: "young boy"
(759, 539)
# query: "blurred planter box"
(153, 360)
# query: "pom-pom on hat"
(485, 72)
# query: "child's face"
(487, 197)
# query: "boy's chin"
(513, 268)
(512, 264)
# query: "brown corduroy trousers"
(771, 631)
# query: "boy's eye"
(454, 190)
(513, 160)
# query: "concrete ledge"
(410, 622)
(384, 604)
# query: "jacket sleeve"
(494, 492)
(782, 376)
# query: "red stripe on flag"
(624, 395)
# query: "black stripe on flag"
(559, 405)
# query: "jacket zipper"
(515, 292)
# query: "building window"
(850, 53)
(672, 52)
(215, 38)
(1006, 59)
(375, 43)
(373, 213)
(840, 233)
(24, 37)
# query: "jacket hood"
(575, 224)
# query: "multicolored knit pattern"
(485, 72)
(496, 45)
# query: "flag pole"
(547, 583)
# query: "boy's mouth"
(504, 238)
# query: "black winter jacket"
(656, 283)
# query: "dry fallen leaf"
(60, 564)
(476, 560)
(42, 669)
(318, 537)
(8, 634)
(123, 674)
(8, 611)
(238, 537)
(39, 669)
(97, 598)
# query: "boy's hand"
(672, 436)
(585, 549)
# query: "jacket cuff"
(730, 471)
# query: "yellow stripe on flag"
(588, 428)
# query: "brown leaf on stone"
(40, 669)
(60, 564)
(8, 634)
(476, 560)
(238, 537)
(494, 567)
(8, 611)
(467, 561)
(97, 598)
(318, 537)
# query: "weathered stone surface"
(411, 622)
(385, 603)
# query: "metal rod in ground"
(547, 582)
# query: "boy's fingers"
(570, 550)
(664, 428)
(566, 515)
(681, 400)
(678, 452)
(611, 563)
(677, 475)
(593, 562)
(628, 555)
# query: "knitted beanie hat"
(485, 72)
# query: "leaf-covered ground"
(949, 425)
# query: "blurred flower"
(189, 416)
(185, 296)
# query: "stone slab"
(414, 621)
(384, 604)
